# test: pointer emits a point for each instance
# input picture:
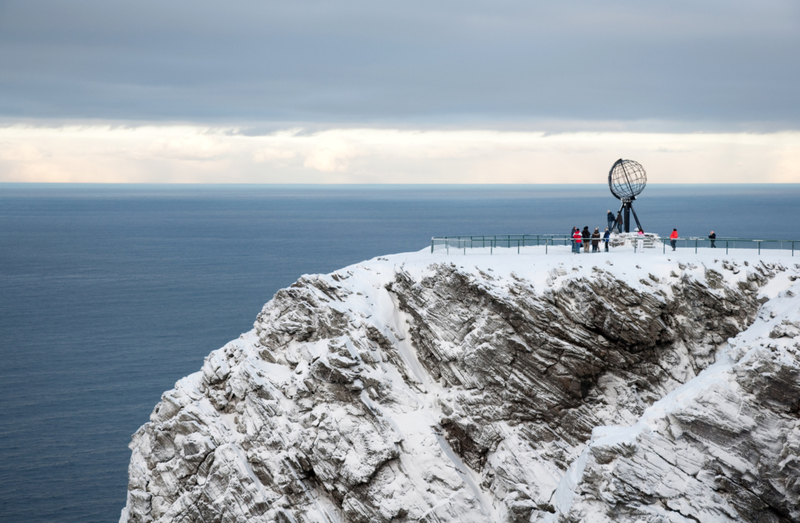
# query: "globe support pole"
(636, 218)
(627, 216)
(626, 210)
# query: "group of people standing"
(584, 238)
(614, 221)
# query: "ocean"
(111, 293)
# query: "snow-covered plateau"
(506, 388)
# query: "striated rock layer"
(510, 388)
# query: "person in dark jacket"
(712, 237)
(596, 240)
(610, 219)
(619, 223)
(586, 235)
(606, 236)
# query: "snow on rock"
(504, 388)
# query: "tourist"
(619, 222)
(606, 236)
(576, 235)
(640, 240)
(712, 237)
(596, 240)
(572, 235)
(586, 236)
(610, 219)
(673, 238)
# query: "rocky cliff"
(423, 387)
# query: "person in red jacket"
(577, 237)
(673, 238)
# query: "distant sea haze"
(110, 294)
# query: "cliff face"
(506, 388)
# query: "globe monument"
(627, 180)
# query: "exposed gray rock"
(400, 390)
(728, 450)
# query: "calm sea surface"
(110, 294)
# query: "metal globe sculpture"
(627, 179)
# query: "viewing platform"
(559, 243)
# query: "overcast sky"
(347, 74)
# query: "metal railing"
(460, 244)
(734, 243)
(498, 241)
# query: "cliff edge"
(506, 388)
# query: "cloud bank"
(703, 65)
(195, 154)
(454, 91)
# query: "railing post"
(695, 245)
(545, 245)
(431, 245)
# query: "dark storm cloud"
(723, 64)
